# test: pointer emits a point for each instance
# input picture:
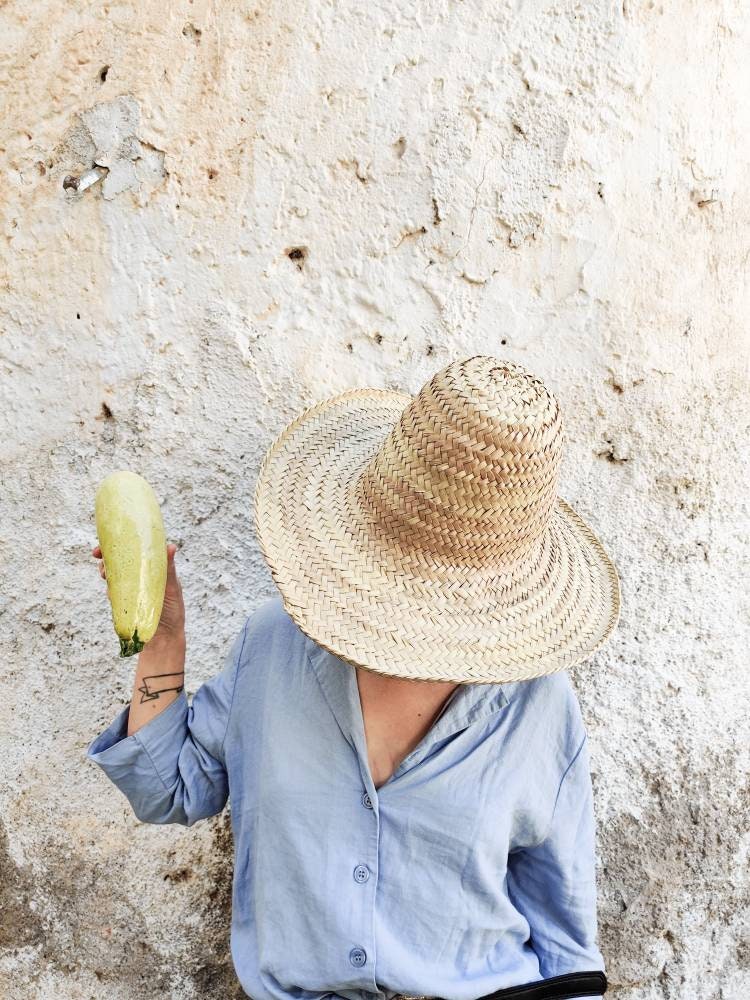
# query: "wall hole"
(298, 255)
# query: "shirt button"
(358, 956)
(361, 873)
(367, 801)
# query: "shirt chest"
(459, 775)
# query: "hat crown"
(469, 473)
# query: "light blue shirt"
(469, 870)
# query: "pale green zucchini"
(131, 536)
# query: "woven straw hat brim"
(358, 597)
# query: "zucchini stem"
(128, 647)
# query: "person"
(401, 745)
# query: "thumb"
(171, 571)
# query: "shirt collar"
(467, 704)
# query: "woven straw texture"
(423, 537)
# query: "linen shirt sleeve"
(173, 769)
(553, 883)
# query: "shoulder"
(269, 615)
(551, 692)
(547, 707)
(271, 634)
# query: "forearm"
(159, 678)
(170, 764)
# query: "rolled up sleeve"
(173, 769)
(553, 884)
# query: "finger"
(96, 552)
(102, 571)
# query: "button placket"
(361, 873)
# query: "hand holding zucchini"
(133, 546)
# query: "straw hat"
(423, 537)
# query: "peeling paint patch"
(522, 191)
(106, 135)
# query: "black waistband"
(568, 986)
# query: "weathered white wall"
(562, 184)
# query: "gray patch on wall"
(20, 926)
(65, 917)
(668, 863)
(62, 914)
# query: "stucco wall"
(306, 197)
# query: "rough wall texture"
(305, 197)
